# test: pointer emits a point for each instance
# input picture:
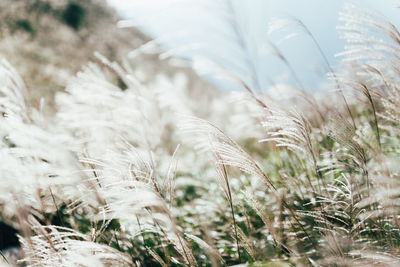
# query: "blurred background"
(234, 32)
(50, 40)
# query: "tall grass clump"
(155, 174)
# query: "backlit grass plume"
(160, 173)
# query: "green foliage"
(23, 25)
(74, 15)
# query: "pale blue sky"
(196, 28)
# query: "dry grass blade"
(210, 250)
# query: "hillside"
(48, 41)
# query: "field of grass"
(126, 173)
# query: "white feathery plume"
(228, 152)
(290, 129)
(60, 246)
(36, 158)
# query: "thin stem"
(371, 101)
(243, 45)
(331, 71)
(229, 196)
(57, 209)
